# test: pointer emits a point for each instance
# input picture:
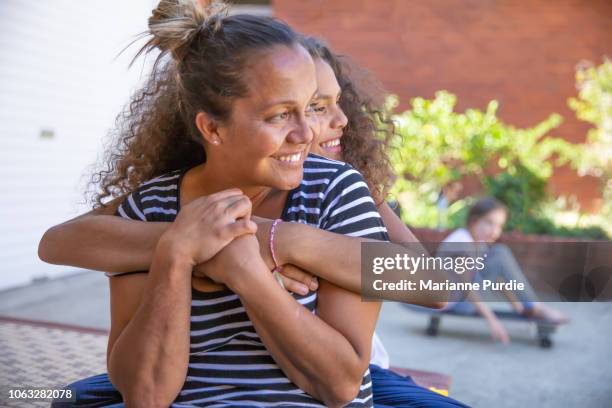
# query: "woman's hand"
(237, 259)
(232, 262)
(294, 279)
(207, 224)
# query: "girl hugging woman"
(214, 298)
(244, 88)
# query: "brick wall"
(522, 53)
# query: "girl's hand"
(207, 224)
(498, 331)
(298, 280)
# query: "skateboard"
(544, 329)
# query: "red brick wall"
(521, 52)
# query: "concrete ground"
(576, 372)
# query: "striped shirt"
(229, 366)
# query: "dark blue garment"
(93, 392)
(393, 390)
(390, 390)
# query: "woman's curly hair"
(203, 54)
(150, 139)
(369, 130)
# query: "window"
(259, 7)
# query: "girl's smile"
(332, 146)
(332, 119)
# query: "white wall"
(57, 72)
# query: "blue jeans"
(500, 265)
(390, 390)
(393, 390)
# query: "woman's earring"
(216, 142)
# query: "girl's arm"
(100, 241)
(109, 243)
(397, 230)
(317, 251)
(337, 259)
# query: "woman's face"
(266, 138)
(331, 118)
(489, 227)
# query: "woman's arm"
(100, 241)
(325, 354)
(148, 349)
(108, 243)
(334, 343)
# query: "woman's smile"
(292, 160)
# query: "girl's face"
(489, 227)
(266, 138)
(331, 118)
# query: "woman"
(485, 223)
(327, 109)
(245, 88)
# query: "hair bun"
(175, 23)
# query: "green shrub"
(522, 192)
(594, 105)
(436, 145)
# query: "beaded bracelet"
(277, 267)
(272, 232)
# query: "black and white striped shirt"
(229, 365)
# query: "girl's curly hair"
(369, 130)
